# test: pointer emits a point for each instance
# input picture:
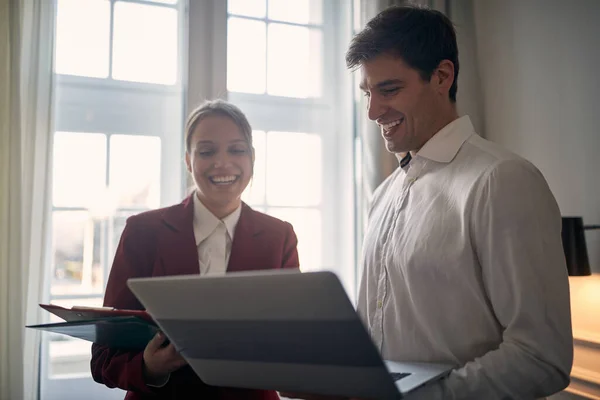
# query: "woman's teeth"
(223, 180)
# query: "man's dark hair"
(420, 36)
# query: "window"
(125, 76)
(280, 54)
(117, 151)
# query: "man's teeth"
(223, 179)
(392, 124)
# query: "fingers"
(156, 342)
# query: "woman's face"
(220, 161)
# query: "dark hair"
(420, 36)
(221, 108)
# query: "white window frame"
(95, 105)
(203, 75)
(332, 117)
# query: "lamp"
(575, 248)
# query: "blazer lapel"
(180, 254)
(247, 232)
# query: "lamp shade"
(575, 248)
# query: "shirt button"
(412, 180)
(379, 304)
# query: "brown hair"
(220, 108)
(420, 36)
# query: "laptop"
(282, 330)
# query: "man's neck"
(445, 119)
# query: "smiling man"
(463, 260)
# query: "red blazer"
(161, 242)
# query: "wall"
(538, 62)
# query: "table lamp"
(573, 239)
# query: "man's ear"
(188, 162)
(443, 76)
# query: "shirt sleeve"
(516, 234)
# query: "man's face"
(404, 105)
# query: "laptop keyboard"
(399, 375)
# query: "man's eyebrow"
(382, 84)
(388, 82)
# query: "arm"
(290, 249)
(516, 231)
(134, 258)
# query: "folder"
(119, 329)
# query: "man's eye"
(390, 91)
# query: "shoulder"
(152, 217)
(267, 222)
(148, 226)
(485, 160)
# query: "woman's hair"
(221, 108)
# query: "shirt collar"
(205, 221)
(445, 144)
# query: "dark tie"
(405, 160)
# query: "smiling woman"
(219, 155)
(211, 232)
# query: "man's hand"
(160, 361)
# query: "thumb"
(155, 343)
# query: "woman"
(212, 231)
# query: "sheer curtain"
(26, 50)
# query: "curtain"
(26, 79)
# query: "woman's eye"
(205, 153)
(237, 151)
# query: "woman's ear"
(188, 162)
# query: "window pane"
(82, 37)
(294, 61)
(79, 168)
(246, 55)
(307, 225)
(69, 356)
(145, 43)
(248, 8)
(77, 242)
(135, 170)
(298, 11)
(293, 169)
(255, 192)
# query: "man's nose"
(375, 108)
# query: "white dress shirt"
(463, 263)
(213, 238)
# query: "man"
(463, 259)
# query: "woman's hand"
(160, 361)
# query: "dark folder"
(120, 329)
